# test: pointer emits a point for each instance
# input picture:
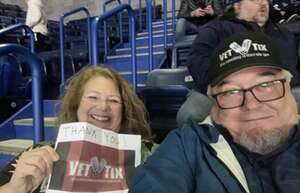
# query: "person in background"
(285, 11)
(193, 13)
(239, 16)
(96, 95)
(36, 19)
(251, 140)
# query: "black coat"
(187, 6)
(211, 34)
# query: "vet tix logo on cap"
(243, 51)
(240, 51)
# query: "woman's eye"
(114, 100)
(92, 97)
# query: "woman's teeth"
(99, 118)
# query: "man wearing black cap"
(239, 16)
(250, 142)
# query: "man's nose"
(250, 101)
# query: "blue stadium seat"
(77, 42)
(9, 70)
(20, 20)
(79, 56)
(176, 56)
(51, 62)
(13, 86)
(10, 13)
(181, 50)
(7, 20)
(163, 95)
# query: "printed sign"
(93, 160)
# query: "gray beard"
(266, 142)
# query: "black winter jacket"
(187, 6)
(211, 34)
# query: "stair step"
(14, 146)
(153, 36)
(141, 77)
(48, 122)
(161, 21)
(8, 130)
(141, 49)
(128, 56)
(5, 159)
(154, 32)
(156, 25)
(123, 66)
(157, 39)
(24, 128)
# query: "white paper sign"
(93, 160)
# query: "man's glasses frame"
(252, 89)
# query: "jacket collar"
(211, 136)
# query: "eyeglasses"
(262, 92)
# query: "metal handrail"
(150, 40)
(150, 30)
(62, 38)
(173, 18)
(105, 16)
(140, 16)
(165, 24)
(35, 65)
(27, 30)
(154, 6)
(105, 28)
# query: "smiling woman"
(101, 104)
(96, 95)
(102, 97)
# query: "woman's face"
(101, 104)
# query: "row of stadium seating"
(76, 56)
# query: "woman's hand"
(31, 168)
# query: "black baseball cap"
(240, 51)
(229, 3)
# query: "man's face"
(259, 126)
(253, 11)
